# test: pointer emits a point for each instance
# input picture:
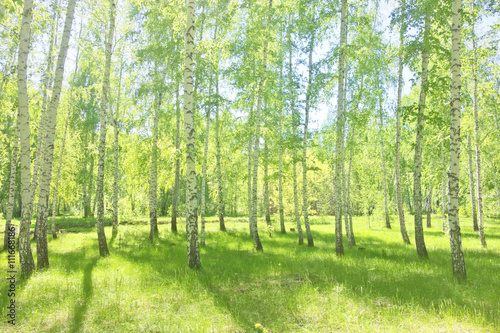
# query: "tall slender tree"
(472, 186)
(48, 145)
(397, 163)
(153, 174)
(12, 187)
(457, 255)
(103, 246)
(193, 252)
(417, 174)
(25, 254)
(339, 145)
(175, 199)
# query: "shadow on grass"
(239, 279)
(80, 308)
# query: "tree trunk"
(12, 188)
(443, 181)
(253, 218)
(280, 151)
(417, 175)
(103, 246)
(457, 256)
(496, 188)
(399, 197)
(43, 117)
(54, 200)
(153, 174)
(249, 164)
(48, 144)
(429, 207)
(88, 204)
(305, 198)
(296, 121)
(339, 145)
(25, 255)
(266, 183)
(220, 197)
(477, 138)
(193, 252)
(350, 235)
(384, 172)
(116, 152)
(175, 197)
(472, 187)
(204, 168)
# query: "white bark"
(116, 151)
(48, 144)
(305, 198)
(173, 223)
(295, 124)
(193, 252)
(472, 183)
(204, 169)
(477, 138)
(339, 146)
(382, 158)
(417, 175)
(12, 187)
(457, 256)
(399, 196)
(220, 196)
(25, 255)
(153, 173)
(101, 235)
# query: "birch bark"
(472, 186)
(25, 254)
(457, 256)
(193, 253)
(103, 246)
(48, 144)
(12, 187)
(417, 174)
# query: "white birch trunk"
(25, 254)
(116, 152)
(204, 168)
(443, 181)
(429, 207)
(12, 187)
(477, 138)
(220, 196)
(54, 200)
(101, 235)
(350, 235)
(280, 151)
(153, 174)
(249, 164)
(173, 223)
(457, 256)
(384, 171)
(339, 145)
(253, 218)
(193, 252)
(266, 184)
(48, 144)
(472, 186)
(399, 196)
(295, 124)
(417, 175)
(305, 198)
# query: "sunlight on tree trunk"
(175, 196)
(472, 186)
(12, 187)
(42, 252)
(193, 252)
(103, 246)
(457, 256)
(25, 255)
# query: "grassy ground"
(287, 288)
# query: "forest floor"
(144, 287)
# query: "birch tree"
(48, 145)
(153, 175)
(339, 145)
(305, 205)
(25, 254)
(457, 256)
(397, 163)
(101, 235)
(193, 253)
(12, 187)
(173, 222)
(472, 183)
(417, 174)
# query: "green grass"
(287, 288)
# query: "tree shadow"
(80, 308)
